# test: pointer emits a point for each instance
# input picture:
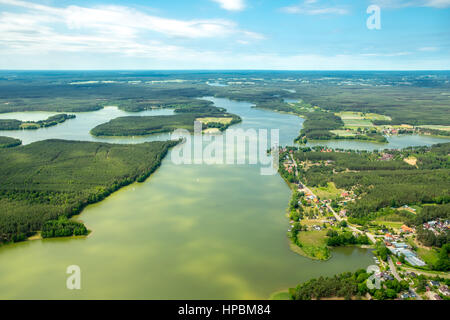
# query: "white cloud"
(126, 20)
(38, 29)
(311, 7)
(395, 4)
(429, 49)
(231, 5)
(392, 54)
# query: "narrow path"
(393, 269)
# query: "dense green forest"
(336, 239)
(353, 285)
(137, 126)
(48, 179)
(318, 125)
(347, 285)
(405, 104)
(77, 95)
(7, 142)
(12, 124)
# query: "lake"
(188, 232)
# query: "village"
(402, 262)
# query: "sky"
(224, 34)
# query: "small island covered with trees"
(12, 124)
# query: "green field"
(48, 179)
(356, 123)
(328, 192)
(389, 224)
(343, 133)
(436, 127)
(313, 244)
(430, 256)
(348, 115)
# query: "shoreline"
(83, 206)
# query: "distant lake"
(394, 142)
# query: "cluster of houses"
(384, 276)
(346, 197)
(437, 226)
(288, 165)
(406, 229)
(390, 131)
(408, 295)
(402, 249)
(386, 157)
(436, 285)
(393, 131)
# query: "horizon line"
(259, 70)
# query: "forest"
(63, 227)
(336, 239)
(138, 126)
(12, 124)
(347, 285)
(49, 179)
(318, 125)
(412, 104)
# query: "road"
(393, 269)
(398, 278)
(338, 218)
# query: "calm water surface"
(188, 232)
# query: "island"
(12, 124)
(211, 118)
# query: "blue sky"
(224, 34)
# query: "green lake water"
(188, 232)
